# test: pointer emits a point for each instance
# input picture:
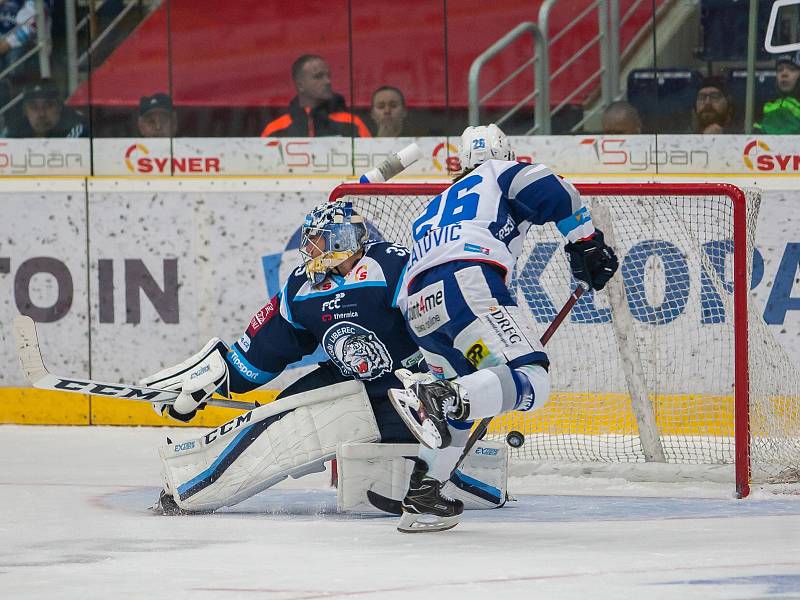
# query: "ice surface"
(74, 524)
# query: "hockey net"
(671, 364)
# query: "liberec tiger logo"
(357, 351)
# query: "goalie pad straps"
(197, 378)
(262, 447)
(480, 482)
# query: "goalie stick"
(30, 356)
(395, 507)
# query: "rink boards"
(126, 275)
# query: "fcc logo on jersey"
(357, 351)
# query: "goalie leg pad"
(480, 482)
(260, 448)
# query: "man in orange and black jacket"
(316, 111)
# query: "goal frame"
(740, 283)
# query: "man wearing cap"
(713, 107)
(45, 115)
(157, 116)
(782, 115)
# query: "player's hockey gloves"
(196, 379)
(592, 261)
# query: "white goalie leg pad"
(480, 482)
(258, 449)
(482, 479)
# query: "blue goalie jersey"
(354, 319)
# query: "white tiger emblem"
(357, 351)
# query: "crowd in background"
(318, 110)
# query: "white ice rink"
(74, 524)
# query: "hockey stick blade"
(384, 504)
(30, 357)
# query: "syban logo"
(357, 351)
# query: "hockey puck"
(515, 439)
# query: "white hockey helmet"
(479, 144)
(336, 232)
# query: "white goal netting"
(647, 369)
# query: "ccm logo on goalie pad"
(227, 427)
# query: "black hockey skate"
(425, 508)
(425, 404)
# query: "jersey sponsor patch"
(360, 274)
(244, 342)
(503, 325)
(427, 310)
(357, 351)
(333, 303)
(246, 370)
(262, 316)
(437, 371)
(476, 248)
(477, 353)
(413, 360)
(507, 229)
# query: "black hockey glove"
(592, 261)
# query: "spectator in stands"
(157, 116)
(713, 107)
(782, 115)
(621, 118)
(388, 111)
(316, 111)
(17, 29)
(45, 115)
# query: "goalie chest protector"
(354, 319)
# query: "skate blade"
(399, 399)
(413, 523)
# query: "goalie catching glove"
(196, 378)
(592, 261)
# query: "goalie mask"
(331, 234)
(479, 144)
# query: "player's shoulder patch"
(264, 315)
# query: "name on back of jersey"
(435, 238)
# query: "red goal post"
(673, 240)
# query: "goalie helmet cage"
(672, 364)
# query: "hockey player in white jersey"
(464, 318)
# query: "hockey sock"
(500, 389)
(533, 387)
(442, 460)
(441, 464)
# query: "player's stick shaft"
(483, 425)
